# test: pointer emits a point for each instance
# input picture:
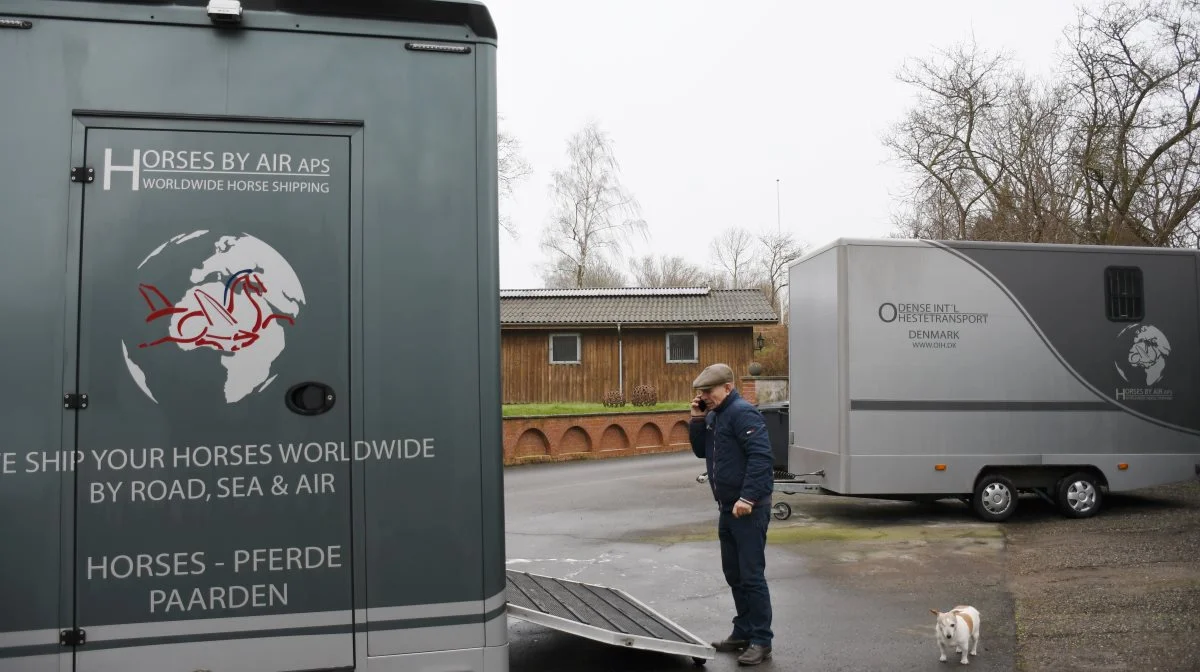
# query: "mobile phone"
(702, 405)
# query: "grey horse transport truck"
(972, 370)
(251, 382)
(251, 345)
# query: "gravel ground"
(1119, 591)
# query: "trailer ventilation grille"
(1123, 296)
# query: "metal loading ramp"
(599, 613)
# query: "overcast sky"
(709, 103)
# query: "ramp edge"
(609, 637)
(694, 646)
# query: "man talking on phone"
(730, 434)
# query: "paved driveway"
(852, 580)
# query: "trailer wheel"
(995, 498)
(1079, 495)
(781, 510)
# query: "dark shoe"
(754, 655)
(728, 645)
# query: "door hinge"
(73, 637)
(75, 401)
(83, 174)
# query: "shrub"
(614, 398)
(774, 357)
(644, 395)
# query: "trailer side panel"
(947, 367)
(814, 368)
(36, 456)
(1146, 361)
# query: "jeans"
(744, 561)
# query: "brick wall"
(583, 437)
(749, 390)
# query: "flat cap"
(716, 374)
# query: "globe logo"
(1144, 353)
(237, 301)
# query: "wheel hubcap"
(996, 498)
(1081, 496)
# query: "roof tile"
(633, 305)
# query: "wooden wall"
(529, 377)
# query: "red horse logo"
(206, 321)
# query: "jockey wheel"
(781, 511)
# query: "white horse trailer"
(928, 370)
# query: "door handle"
(310, 398)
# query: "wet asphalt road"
(852, 581)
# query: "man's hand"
(741, 508)
(696, 412)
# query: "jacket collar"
(729, 399)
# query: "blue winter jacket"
(732, 439)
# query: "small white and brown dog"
(959, 626)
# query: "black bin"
(776, 415)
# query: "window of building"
(682, 347)
(564, 349)
(1123, 296)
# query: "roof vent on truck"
(471, 14)
(225, 11)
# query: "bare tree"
(666, 271)
(512, 168)
(1136, 76)
(948, 138)
(929, 212)
(562, 273)
(1189, 237)
(733, 253)
(715, 279)
(593, 212)
(1107, 152)
(1036, 200)
(778, 251)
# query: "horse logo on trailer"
(1142, 363)
(223, 325)
(237, 302)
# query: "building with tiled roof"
(569, 345)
